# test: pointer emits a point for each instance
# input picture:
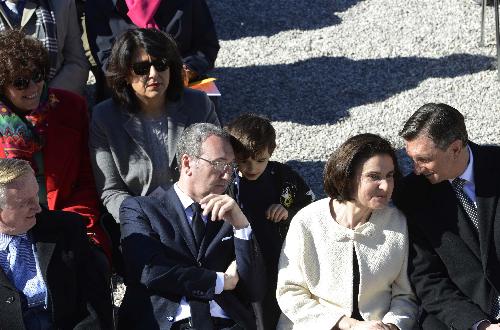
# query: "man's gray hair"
(193, 137)
(10, 170)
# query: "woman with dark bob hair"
(344, 260)
(133, 135)
(49, 128)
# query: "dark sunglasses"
(21, 83)
(142, 68)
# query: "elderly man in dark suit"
(192, 260)
(452, 205)
(46, 277)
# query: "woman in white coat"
(344, 261)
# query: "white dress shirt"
(468, 176)
(184, 311)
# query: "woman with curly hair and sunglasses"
(49, 128)
(133, 135)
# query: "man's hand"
(224, 208)
(276, 213)
(231, 277)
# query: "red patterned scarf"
(22, 135)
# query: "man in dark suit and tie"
(452, 205)
(47, 276)
(191, 258)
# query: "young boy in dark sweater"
(269, 192)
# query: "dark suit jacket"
(455, 272)
(77, 296)
(163, 264)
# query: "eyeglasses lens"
(22, 83)
(226, 167)
(142, 68)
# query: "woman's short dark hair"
(156, 44)
(343, 164)
(19, 55)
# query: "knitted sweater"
(315, 280)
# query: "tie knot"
(458, 183)
(196, 208)
(18, 239)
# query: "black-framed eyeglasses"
(21, 83)
(220, 166)
(142, 68)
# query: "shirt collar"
(468, 174)
(186, 201)
(14, 6)
(5, 240)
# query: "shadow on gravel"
(236, 19)
(323, 90)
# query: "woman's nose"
(152, 71)
(384, 185)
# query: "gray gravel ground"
(325, 70)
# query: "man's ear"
(456, 147)
(186, 164)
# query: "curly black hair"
(19, 55)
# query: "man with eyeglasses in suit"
(192, 260)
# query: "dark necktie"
(197, 224)
(200, 309)
(469, 206)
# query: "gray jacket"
(122, 166)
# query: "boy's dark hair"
(339, 177)
(251, 135)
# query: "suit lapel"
(451, 217)
(172, 210)
(177, 121)
(214, 230)
(28, 12)
(44, 253)
(45, 244)
(485, 180)
(5, 18)
(4, 281)
(221, 230)
(133, 126)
